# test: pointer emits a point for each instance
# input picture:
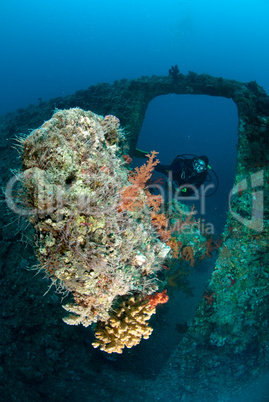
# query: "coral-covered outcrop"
(87, 240)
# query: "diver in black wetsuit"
(186, 174)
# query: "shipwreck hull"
(229, 334)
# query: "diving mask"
(199, 165)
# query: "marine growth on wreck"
(87, 241)
(99, 233)
(66, 161)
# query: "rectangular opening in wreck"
(196, 125)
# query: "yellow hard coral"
(126, 327)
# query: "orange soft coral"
(174, 245)
(160, 223)
(158, 298)
(136, 195)
(210, 246)
(188, 255)
(130, 199)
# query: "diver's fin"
(138, 153)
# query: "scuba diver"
(186, 174)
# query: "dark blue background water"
(54, 47)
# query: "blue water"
(55, 47)
(199, 125)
